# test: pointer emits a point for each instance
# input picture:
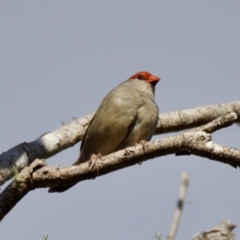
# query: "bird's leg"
(143, 143)
(93, 162)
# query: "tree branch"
(194, 117)
(18, 188)
(221, 232)
(49, 144)
(197, 142)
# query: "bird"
(127, 115)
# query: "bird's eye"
(140, 77)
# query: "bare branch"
(49, 144)
(222, 122)
(179, 209)
(66, 136)
(18, 188)
(195, 142)
(190, 118)
(221, 232)
(45, 146)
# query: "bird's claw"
(145, 148)
(94, 161)
(143, 142)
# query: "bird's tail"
(60, 189)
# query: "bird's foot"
(143, 143)
(94, 161)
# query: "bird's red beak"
(153, 79)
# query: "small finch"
(127, 115)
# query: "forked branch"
(197, 142)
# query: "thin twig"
(179, 208)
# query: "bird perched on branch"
(127, 115)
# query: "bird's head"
(146, 76)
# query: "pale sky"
(58, 59)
